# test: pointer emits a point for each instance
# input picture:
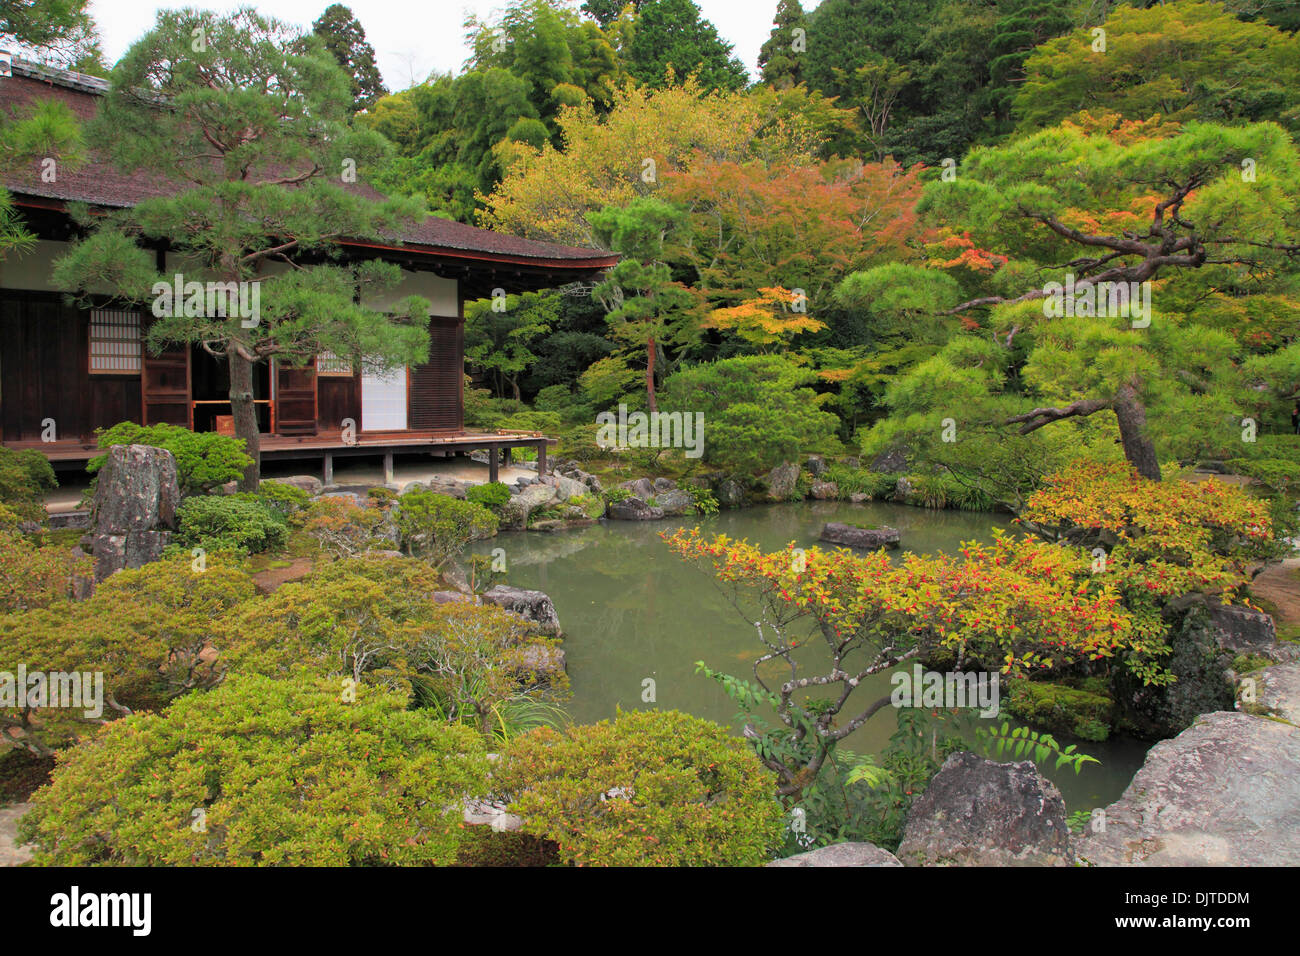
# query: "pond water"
(631, 610)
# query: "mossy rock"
(1058, 708)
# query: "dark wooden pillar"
(388, 466)
(492, 463)
(541, 458)
(329, 468)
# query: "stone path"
(11, 854)
(1280, 585)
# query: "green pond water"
(631, 610)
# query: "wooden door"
(295, 399)
(165, 388)
(436, 402)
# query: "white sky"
(415, 37)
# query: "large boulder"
(566, 488)
(134, 510)
(825, 490)
(1244, 630)
(1205, 639)
(891, 461)
(851, 536)
(976, 812)
(842, 854)
(816, 466)
(1224, 792)
(534, 606)
(781, 482)
(674, 502)
(516, 511)
(642, 488)
(730, 493)
(633, 509)
(1277, 691)
(664, 484)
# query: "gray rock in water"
(633, 509)
(842, 854)
(780, 482)
(976, 812)
(825, 490)
(675, 502)
(516, 512)
(134, 511)
(851, 536)
(546, 663)
(534, 606)
(1224, 792)
(664, 484)
(730, 493)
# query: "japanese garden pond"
(632, 611)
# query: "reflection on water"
(631, 611)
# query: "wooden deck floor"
(326, 446)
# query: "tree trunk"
(1138, 449)
(245, 414)
(650, 350)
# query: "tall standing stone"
(134, 512)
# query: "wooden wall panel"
(337, 398)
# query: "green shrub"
(615, 495)
(703, 500)
(204, 460)
(25, 477)
(650, 788)
(580, 444)
(493, 495)
(1277, 473)
(279, 497)
(342, 528)
(236, 523)
(437, 527)
(33, 576)
(265, 773)
(860, 481)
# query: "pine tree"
(345, 38)
(781, 58)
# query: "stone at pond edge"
(730, 493)
(534, 606)
(851, 536)
(825, 490)
(1224, 792)
(1278, 690)
(976, 812)
(633, 509)
(674, 502)
(780, 482)
(842, 854)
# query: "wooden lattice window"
(115, 342)
(329, 364)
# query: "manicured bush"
(437, 527)
(286, 499)
(649, 788)
(145, 630)
(32, 576)
(492, 495)
(703, 500)
(373, 619)
(260, 772)
(236, 523)
(204, 460)
(343, 528)
(25, 477)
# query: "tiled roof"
(99, 183)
